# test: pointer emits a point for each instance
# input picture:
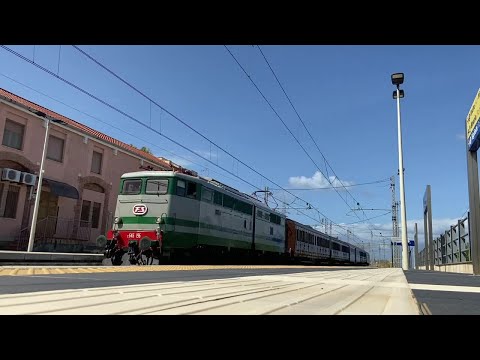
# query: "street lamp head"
(397, 78)
(401, 93)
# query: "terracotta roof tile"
(83, 128)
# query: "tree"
(145, 149)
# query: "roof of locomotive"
(148, 173)
(203, 180)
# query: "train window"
(156, 186)
(259, 213)
(271, 230)
(131, 186)
(275, 219)
(345, 249)
(245, 224)
(218, 198)
(335, 246)
(192, 190)
(180, 187)
(243, 207)
(228, 201)
(207, 195)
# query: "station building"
(82, 170)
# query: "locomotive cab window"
(131, 186)
(192, 190)
(156, 186)
(181, 187)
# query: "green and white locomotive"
(164, 214)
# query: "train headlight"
(158, 220)
(117, 220)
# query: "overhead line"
(113, 126)
(303, 123)
(157, 132)
(335, 187)
(283, 122)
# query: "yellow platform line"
(24, 271)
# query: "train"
(168, 215)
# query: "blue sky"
(343, 94)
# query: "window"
(11, 202)
(218, 198)
(13, 134)
(228, 201)
(243, 207)
(156, 186)
(180, 187)
(259, 213)
(192, 190)
(275, 219)
(207, 195)
(132, 186)
(271, 230)
(85, 214)
(55, 148)
(89, 214)
(96, 215)
(96, 162)
(324, 243)
(245, 224)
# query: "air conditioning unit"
(11, 175)
(28, 178)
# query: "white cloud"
(317, 181)
(460, 137)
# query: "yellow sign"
(473, 115)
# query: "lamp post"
(397, 80)
(40, 179)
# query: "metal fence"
(451, 247)
(56, 234)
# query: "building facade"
(82, 170)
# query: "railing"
(452, 247)
(57, 235)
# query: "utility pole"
(394, 215)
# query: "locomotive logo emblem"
(140, 209)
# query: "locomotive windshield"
(156, 186)
(132, 186)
